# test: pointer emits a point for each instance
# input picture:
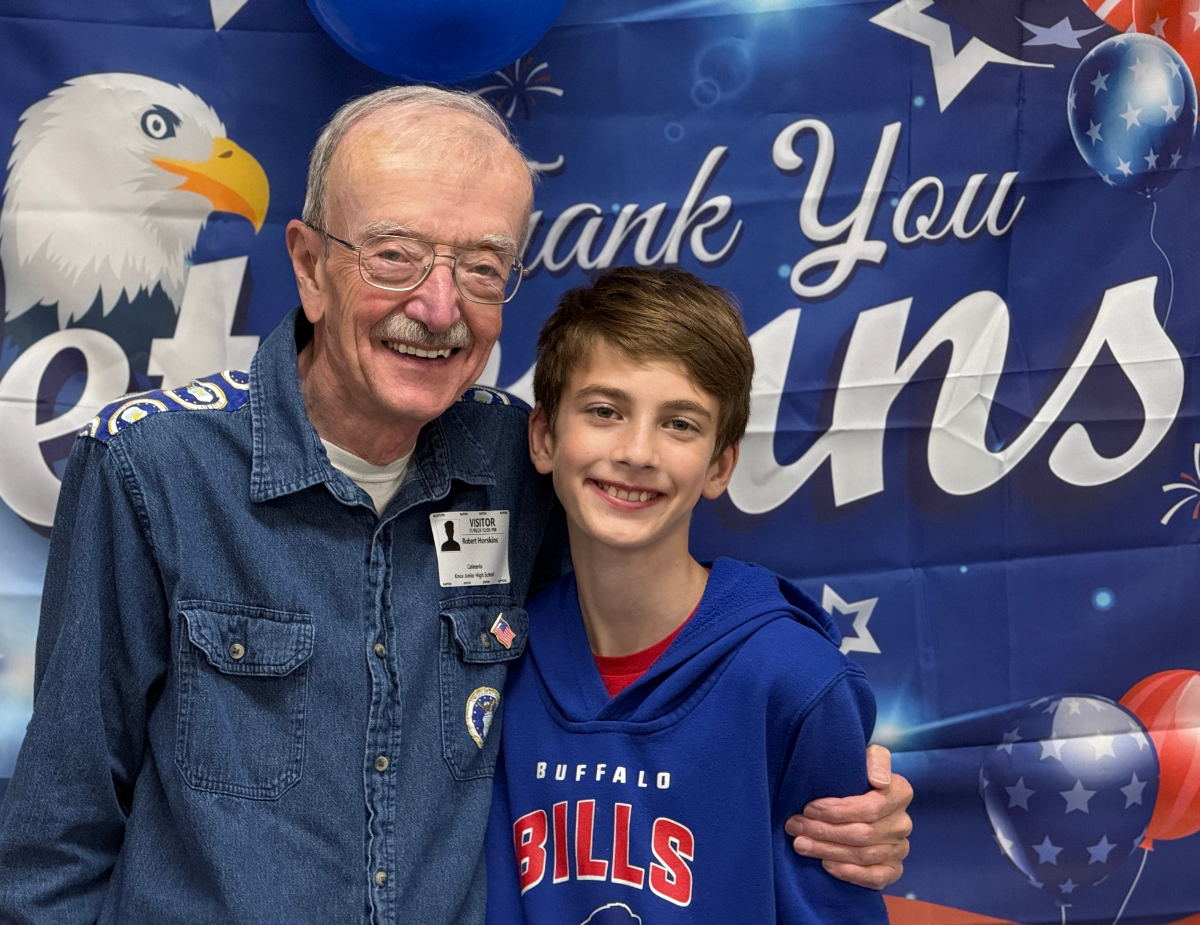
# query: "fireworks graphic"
(1191, 486)
(518, 84)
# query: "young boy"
(670, 715)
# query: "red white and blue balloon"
(1069, 790)
(1132, 110)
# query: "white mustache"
(400, 327)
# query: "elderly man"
(264, 692)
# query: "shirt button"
(381, 651)
(380, 877)
(485, 639)
(236, 651)
(381, 764)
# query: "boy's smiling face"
(631, 450)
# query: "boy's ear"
(720, 472)
(541, 440)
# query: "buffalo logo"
(481, 707)
(613, 914)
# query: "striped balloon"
(1176, 22)
(1117, 13)
(1168, 704)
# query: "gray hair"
(409, 97)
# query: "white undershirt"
(380, 482)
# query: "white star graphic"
(1195, 14)
(1102, 744)
(1060, 33)
(1005, 843)
(1130, 115)
(1100, 850)
(1047, 852)
(1099, 82)
(1133, 791)
(863, 641)
(1009, 739)
(1158, 27)
(1105, 177)
(1140, 69)
(1175, 159)
(1151, 160)
(952, 73)
(1071, 101)
(223, 11)
(1140, 737)
(1051, 748)
(1171, 110)
(1052, 706)
(1074, 709)
(1174, 66)
(1069, 886)
(1019, 795)
(1077, 798)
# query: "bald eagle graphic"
(111, 179)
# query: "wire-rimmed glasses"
(399, 264)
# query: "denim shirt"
(252, 691)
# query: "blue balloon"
(1070, 790)
(1132, 110)
(441, 41)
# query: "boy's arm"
(827, 758)
(861, 839)
(101, 642)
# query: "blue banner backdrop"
(965, 239)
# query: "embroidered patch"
(481, 707)
(225, 391)
(237, 379)
(199, 395)
(132, 411)
(486, 396)
(502, 631)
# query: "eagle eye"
(158, 122)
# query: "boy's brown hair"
(648, 313)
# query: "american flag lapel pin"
(502, 631)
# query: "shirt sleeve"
(827, 760)
(503, 888)
(101, 649)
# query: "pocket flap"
(472, 620)
(244, 640)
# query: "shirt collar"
(289, 457)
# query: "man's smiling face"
(399, 359)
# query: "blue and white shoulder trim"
(226, 391)
(486, 395)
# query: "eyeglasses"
(400, 264)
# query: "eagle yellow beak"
(231, 179)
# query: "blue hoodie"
(666, 803)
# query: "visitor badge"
(471, 546)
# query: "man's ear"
(541, 440)
(720, 472)
(306, 248)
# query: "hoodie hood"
(738, 600)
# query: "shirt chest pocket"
(243, 675)
(480, 637)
